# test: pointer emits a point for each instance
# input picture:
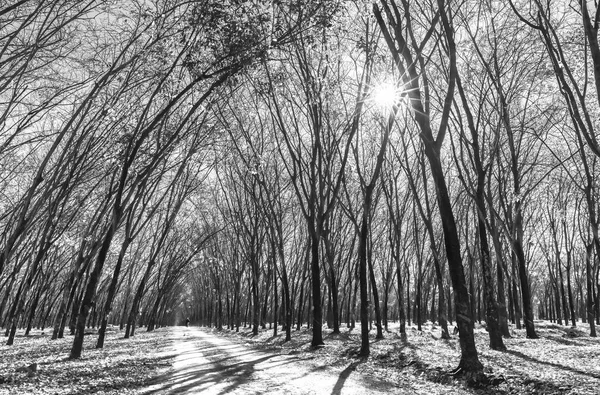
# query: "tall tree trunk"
(112, 290)
(376, 306)
(525, 290)
(563, 294)
(275, 303)
(255, 293)
(352, 303)
(502, 313)
(90, 290)
(152, 318)
(419, 296)
(32, 310)
(364, 294)
(333, 286)
(469, 359)
(515, 293)
(315, 269)
(500, 270)
(63, 309)
(589, 289)
(442, 298)
(493, 325)
(570, 294)
(301, 304)
(401, 313)
(137, 299)
(408, 300)
(386, 299)
(267, 291)
(287, 305)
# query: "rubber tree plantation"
(300, 166)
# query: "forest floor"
(123, 366)
(180, 360)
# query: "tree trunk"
(32, 310)
(254, 265)
(301, 304)
(401, 314)
(525, 291)
(589, 289)
(275, 304)
(379, 334)
(469, 359)
(352, 303)
(418, 301)
(493, 325)
(515, 294)
(137, 299)
(570, 294)
(442, 298)
(364, 295)
(500, 270)
(288, 306)
(502, 313)
(263, 318)
(317, 311)
(90, 291)
(334, 301)
(112, 290)
(563, 294)
(152, 319)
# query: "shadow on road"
(208, 364)
(231, 375)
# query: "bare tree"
(410, 59)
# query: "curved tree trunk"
(135, 305)
(90, 291)
(112, 290)
(152, 319)
(469, 358)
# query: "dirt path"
(208, 364)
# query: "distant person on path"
(187, 321)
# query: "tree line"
(299, 163)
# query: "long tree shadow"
(337, 388)
(221, 355)
(234, 375)
(577, 342)
(553, 364)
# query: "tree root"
(477, 378)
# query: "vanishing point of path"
(208, 364)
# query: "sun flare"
(385, 95)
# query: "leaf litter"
(121, 367)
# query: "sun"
(385, 95)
